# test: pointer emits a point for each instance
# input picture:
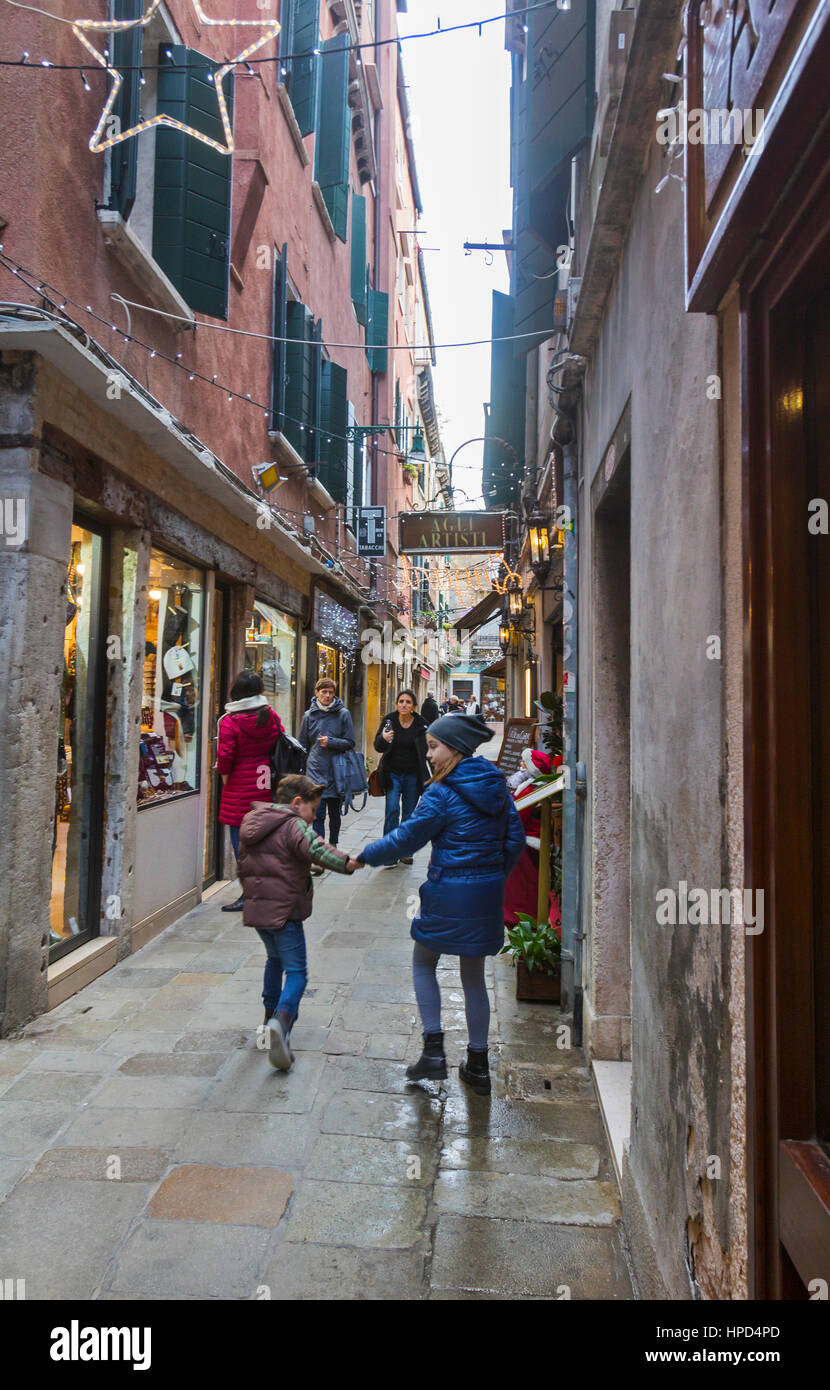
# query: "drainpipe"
(571, 849)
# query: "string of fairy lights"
(357, 47)
(41, 286)
(59, 302)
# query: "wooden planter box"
(533, 985)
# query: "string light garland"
(278, 58)
(39, 285)
(273, 338)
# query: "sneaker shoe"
(391, 866)
(235, 907)
(407, 859)
(279, 1053)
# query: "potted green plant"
(536, 953)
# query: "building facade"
(198, 385)
(670, 249)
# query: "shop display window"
(76, 829)
(326, 663)
(171, 704)
(271, 650)
(492, 698)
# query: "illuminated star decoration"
(96, 144)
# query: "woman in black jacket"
(404, 771)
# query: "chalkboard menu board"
(518, 735)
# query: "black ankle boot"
(475, 1073)
(432, 1064)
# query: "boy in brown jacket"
(277, 849)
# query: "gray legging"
(428, 993)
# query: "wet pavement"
(149, 1150)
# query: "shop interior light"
(155, 595)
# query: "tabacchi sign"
(422, 532)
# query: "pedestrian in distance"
(326, 729)
(473, 706)
(404, 770)
(248, 734)
(429, 709)
(278, 848)
(477, 839)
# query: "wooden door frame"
(779, 963)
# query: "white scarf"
(252, 702)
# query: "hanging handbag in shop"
(375, 781)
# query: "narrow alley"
(148, 1150)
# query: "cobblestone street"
(148, 1149)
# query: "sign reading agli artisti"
(421, 532)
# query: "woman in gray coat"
(326, 729)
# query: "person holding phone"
(404, 771)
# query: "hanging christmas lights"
(80, 28)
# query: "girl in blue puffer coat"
(477, 839)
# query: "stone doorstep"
(613, 1087)
(79, 968)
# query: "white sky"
(459, 94)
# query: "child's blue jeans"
(286, 956)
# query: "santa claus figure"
(522, 887)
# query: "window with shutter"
(331, 155)
(126, 47)
(334, 420)
(298, 420)
(299, 36)
(377, 328)
(192, 199)
(359, 256)
(506, 418)
(553, 111)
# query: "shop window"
(76, 831)
(327, 663)
(271, 650)
(171, 705)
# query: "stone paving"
(148, 1150)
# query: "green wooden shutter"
(334, 420)
(377, 329)
(192, 201)
(299, 378)
(337, 202)
(304, 71)
(506, 419)
(359, 256)
(280, 332)
(316, 388)
(126, 48)
(331, 155)
(554, 114)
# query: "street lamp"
(515, 600)
(539, 538)
(505, 637)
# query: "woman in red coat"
(248, 733)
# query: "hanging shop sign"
(421, 532)
(371, 530)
